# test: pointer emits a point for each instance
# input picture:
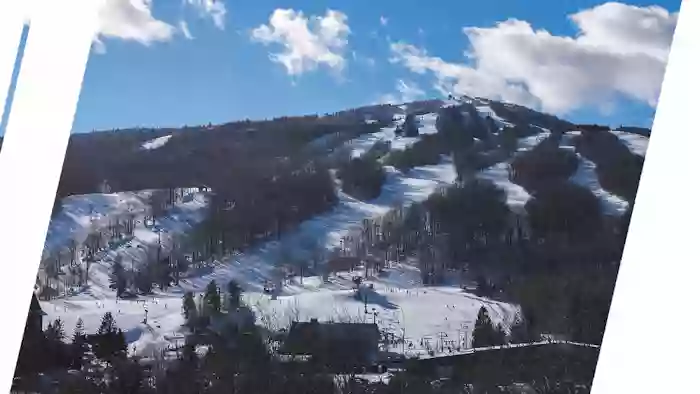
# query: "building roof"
(35, 307)
(303, 335)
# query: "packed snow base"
(399, 303)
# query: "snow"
(361, 145)
(499, 174)
(485, 111)
(255, 267)
(635, 142)
(587, 177)
(83, 214)
(93, 213)
(251, 269)
(451, 103)
(532, 141)
(517, 196)
(156, 142)
(427, 124)
(404, 307)
(163, 328)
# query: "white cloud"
(405, 92)
(132, 20)
(365, 60)
(307, 42)
(383, 20)
(214, 9)
(620, 50)
(185, 30)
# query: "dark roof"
(302, 334)
(34, 306)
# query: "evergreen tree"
(234, 294)
(120, 346)
(55, 331)
(108, 325)
(79, 332)
(521, 331)
(117, 280)
(127, 377)
(143, 281)
(164, 273)
(109, 342)
(78, 344)
(212, 298)
(189, 309)
(485, 334)
(410, 126)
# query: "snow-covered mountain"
(399, 302)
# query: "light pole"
(403, 331)
(158, 231)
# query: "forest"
(558, 259)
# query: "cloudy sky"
(178, 62)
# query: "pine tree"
(498, 336)
(108, 325)
(410, 126)
(164, 273)
(189, 309)
(143, 281)
(212, 298)
(55, 331)
(110, 341)
(234, 294)
(117, 280)
(485, 334)
(521, 332)
(79, 332)
(79, 345)
(120, 345)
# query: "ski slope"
(90, 214)
(404, 307)
(587, 177)
(361, 145)
(397, 303)
(635, 142)
(156, 142)
(499, 174)
(81, 215)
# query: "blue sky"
(394, 50)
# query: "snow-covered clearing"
(81, 215)
(156, 142)
(251, 269)
(421, 316)
(517, 196)
(485, 110)
(256, 266)
(404, 307)
(499, 174)
(635, 142)
(86, 214)
(587, 177)
(359, 146)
